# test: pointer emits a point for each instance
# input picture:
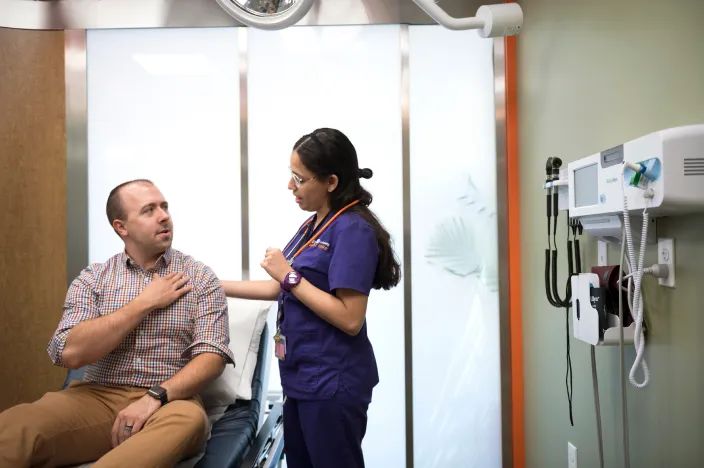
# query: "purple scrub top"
(320, 359)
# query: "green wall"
(592, 75)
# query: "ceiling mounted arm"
(503, 19)
(273, 21)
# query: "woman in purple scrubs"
(322, 279)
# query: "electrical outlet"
(666, 256)
(571, 455)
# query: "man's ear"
(332, 183)
(119, 227)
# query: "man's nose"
(163, 215)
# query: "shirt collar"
(163, 261)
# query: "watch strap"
(292, 279)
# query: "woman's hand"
(276, 265)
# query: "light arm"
(502, 19)
(436, 12)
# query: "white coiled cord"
(637, 304)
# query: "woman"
(322, 280)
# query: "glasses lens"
(296, 180)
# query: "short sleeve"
(211, 320)
(354, 259)
(79, 306)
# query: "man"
(151, 324)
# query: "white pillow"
(247, 320)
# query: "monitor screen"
(586, 186)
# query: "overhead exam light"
(267, 14)
(503, 19)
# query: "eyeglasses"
(298, 180)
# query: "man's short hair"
(114, 207)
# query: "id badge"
(280, 346)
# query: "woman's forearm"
(267, 290)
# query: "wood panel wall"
(32, 210)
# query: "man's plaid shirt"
(167, 339)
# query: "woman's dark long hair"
(326, 152)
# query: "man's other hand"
(131, 419)
(161, 292)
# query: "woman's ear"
(332, 183)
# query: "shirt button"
(138, 360)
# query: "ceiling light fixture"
(499, 20)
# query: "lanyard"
(320, 232)
(310, 241)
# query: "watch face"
(292, 277)
(157, 392)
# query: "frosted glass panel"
(349, 78)
(456, 367)
(163, 104)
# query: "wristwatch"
(291, 280)
(159, 393)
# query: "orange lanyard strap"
(312, 239)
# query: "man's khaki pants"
(74, 426)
